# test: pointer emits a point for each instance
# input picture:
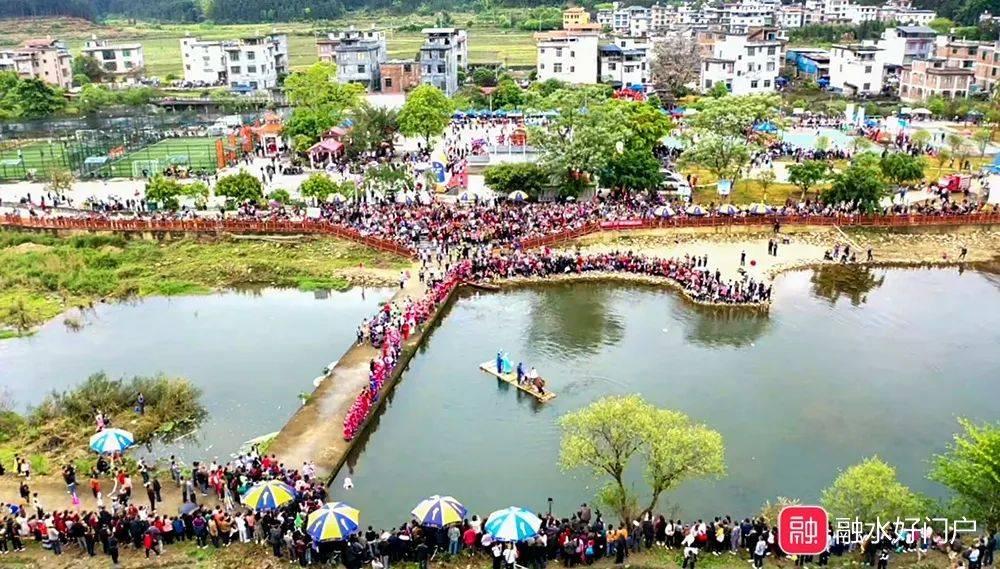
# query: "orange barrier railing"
(765, 221)
(205, 226)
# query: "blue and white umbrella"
(696, 210)
(728, 209)
(111, 440)
(512, 524)
(663, 211)
(760, 209)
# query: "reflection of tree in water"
(573, 319)
(724, 326)
(854, 281)
(990, 269)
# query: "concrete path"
(316, 431)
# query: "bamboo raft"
(511, 378)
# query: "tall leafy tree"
(608, 435)
(725, 156)
(33, 98)
(870, 491)
(901, 169)
(319, 101)
(633, 170)
(240, 187)
(426, 113)
(860, 186)
(971, 469)
(808, 174)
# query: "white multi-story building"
(250, 64)
(856, 69)
(256, 63)
(115, 58)
(633, 20)
(902, 45)
(568, 55)
(835, 10)
(858, 13)
(444, 53)
(741, 19)
(204, 61)
(745, 63)
(625, 62)
(789, 17)
(359, 55)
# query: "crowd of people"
(691, 273)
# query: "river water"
(847, 365)
(250, 352)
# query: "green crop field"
(162, 49)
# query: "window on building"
(572, 68)
(770, 66)
(253, 85)
(388, 81)
(361, 69)
(558, 52)
(235, 69)
(770, 50)
(866, 87)
(407, 68)
(251, 55)
(441, 69)
(251, 69)
(753, 84)
(572, 53)
(557, 68)
(234, 56)
(767, 83)
(868, 69)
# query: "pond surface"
(251, 353)
(851, 365)
(848, 364)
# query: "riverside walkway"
(316, 431)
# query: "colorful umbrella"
(111, 440)
(337, 197)
(728, 209)
(512, 524)
(439, 511)
(696, 210)
(333, 522)
(268, 495)
(663, 211)
(760, 209)
(518, 196)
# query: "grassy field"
(41, 276)
(162, 50)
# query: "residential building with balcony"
(625, 62)
(745, 63)
(45, 59)
(445, 51)
(856, 69)
(359, 55)
(568, 55)
(934, 76)
(116, 59)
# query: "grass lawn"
(41, 276)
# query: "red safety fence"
(765, 221)
(205, 226)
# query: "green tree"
(484, 77)
(508, 95)
(807, 175)
(725, 156)
(921, 138)
(901, 169)
(89, 67)
(59, 181)
(607, 435)
(860, 185)
(241, 187)
(166, 191)
(971, 469)
(33, 98)
(94, 97)
(736, 116)
(372, 128)
(317, 186)
(869, 491)
(426, 113)
(280, 195)
(941, 25)
(719, 90)
(634, 170)
(319, 101)
(525, 176)
(765, 180)
(822, 143)
(982, 138)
